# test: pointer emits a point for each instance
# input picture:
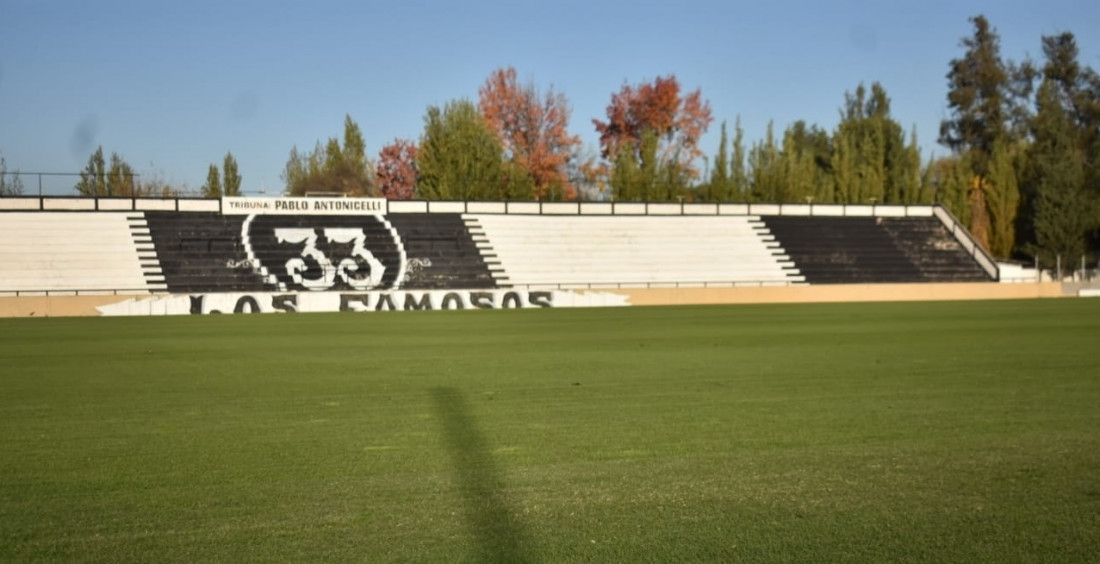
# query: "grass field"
(922, 432)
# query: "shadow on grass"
(499, 535)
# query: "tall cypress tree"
(1002, 200)
(805, 165)
(1064, 210)
(232, 178)
(980, 99)
(870, 159)
(977, 97)
(764, 169)
(213, 186)
(719, 189)
(739, 179)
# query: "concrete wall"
(54, 306)
(66, 306)
(843, 293)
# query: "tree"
(861, 148)
(121, 178)
(93, 179)
(1064, 210)
(676, 123)
(213, 186)
(1059, 172)
(10, 183)
(1002, 197)
(870, 157)
(632, 178)
(739, 179)
(153, 185)
(460, 157)
(232, 177)
(909, 176)
(977, 97)
(532, 129)
(948, 181)
(764, 172)
(331, 167)
(588, 173)
(980, 97)
(396, 172)
(720, 187)
(804, 167)
(1077, 89)
(99, 179)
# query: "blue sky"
(173, 86)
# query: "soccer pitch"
(920, 432)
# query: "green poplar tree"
(764, 169)
(460, 158)
(332, 167)
(909, 177)
(720, 187)
(948, 181)
(804, 165)
(739, 178)
(626, 176)
(1002, 200)
(93, 179)
(120, 178)
(232, 183)
(213, 186)
(871, 161)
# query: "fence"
(44, 184)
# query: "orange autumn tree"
(396, 172)
(533, 131)
(651, 138)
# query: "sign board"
(234, 205)
(363, 302)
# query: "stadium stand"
(77, 252)
(186, 246)
(206, 252)
(441, 251)
(854, 250)
(570, 251)
(200, 252)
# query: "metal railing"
(987, 262)
(654, 284)
(51, 189)
(80, 292)
(531, 286)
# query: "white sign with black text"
(237, 205)
(403, 300)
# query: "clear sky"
(173, 86)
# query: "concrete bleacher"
(208, 252)
(441, 252)
(77, 252)
(571, 251)
(201, 252)
(89, 245)
(855, 250)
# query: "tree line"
(1022, 168)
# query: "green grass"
(924, 432)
